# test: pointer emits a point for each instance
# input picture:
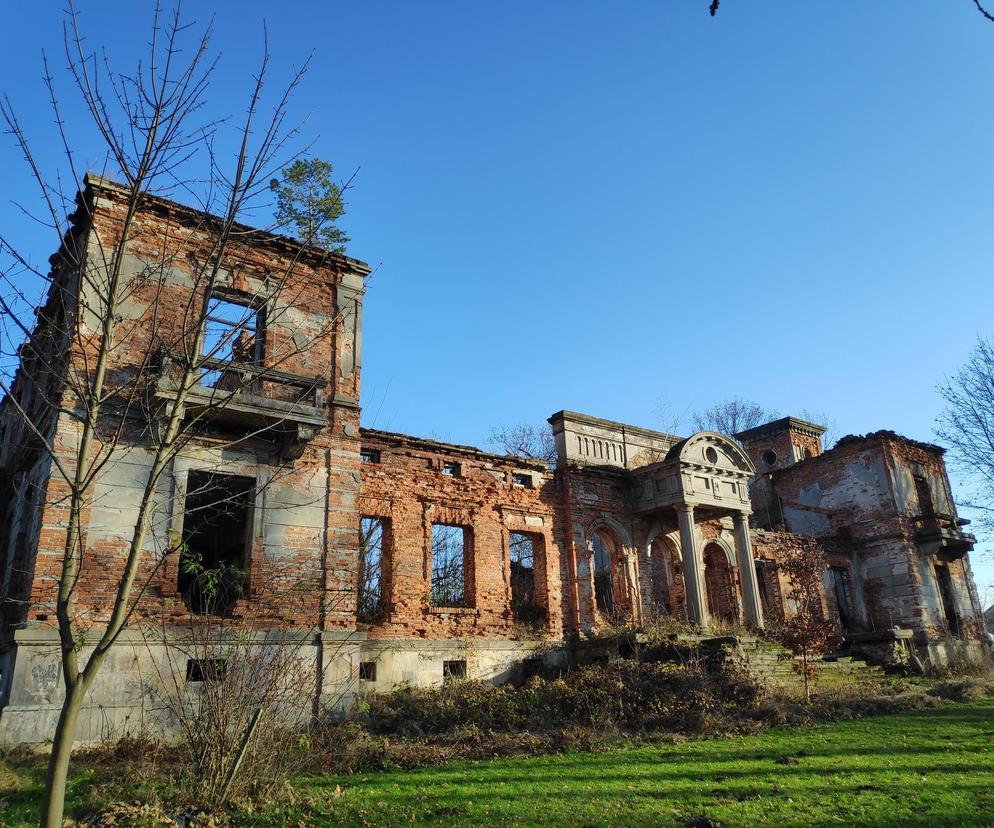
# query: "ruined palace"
(411, 560)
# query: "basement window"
(448, 565)
(217, 537)
(204, 669)
(453, 670)
(367, 671)
(370, 602)
(451, 469)
(231, 335)
(369, 456)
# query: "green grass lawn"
(929, 768)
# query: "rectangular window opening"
(217, 539)
(524, 606)
(369, 456)
(523, 480)
(453, 670)
(231, 335)
(370, 603)
(451, 469)
(448, 565)
(946, 597)
(204, 669)
(367, 671)
(841, 595)
(925, 505)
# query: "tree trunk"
(58, 761)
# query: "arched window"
(602, 573)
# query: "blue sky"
(608, 206)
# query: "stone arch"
(613, 568)
(719, 582)
(605, 552)
(725, 547)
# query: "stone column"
(634, 593)
(747, 572)
(693, 567)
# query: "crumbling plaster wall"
(863, 491)
(304, 510)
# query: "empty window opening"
(453, 670)
(524, 606)
(603, 593)
(924, 492)
(770, 457)
(451, 469)
(523, 480)
(947, 597)
(367, 671)
(369, 456)
(231, 335)
(217, 537)
(370, 604)
(764, 574)
(448, 565)
(205, 669)
(841, 596)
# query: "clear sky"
(609, 206)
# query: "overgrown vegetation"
(833, 772)
(598, 708)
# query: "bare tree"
(731, 416)
(805, 632)
(120, 359)
(966, 426)
(525, 440)
(670, 419)
(240, 692)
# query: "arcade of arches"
(677, 544)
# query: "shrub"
(971, 688)
(625, 695)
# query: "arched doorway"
(666, 579)
(719, 581)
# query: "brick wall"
(411, 484)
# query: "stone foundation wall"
(128, 698)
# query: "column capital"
(741, 516)
(684, 507)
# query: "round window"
(711, 455)
(769, 457)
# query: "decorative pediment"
(713, 451)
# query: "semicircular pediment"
(710, 449)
